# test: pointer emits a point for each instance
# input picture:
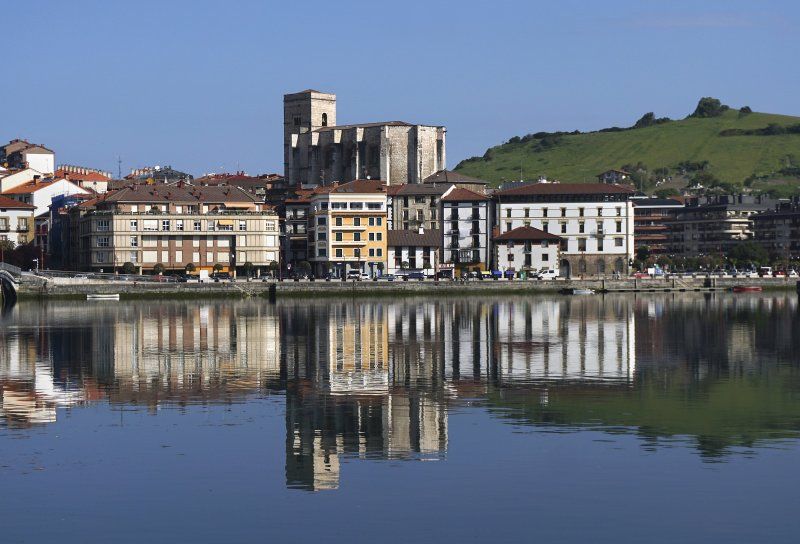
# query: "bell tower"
(303, 112)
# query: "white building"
(23, 154)
(16, 221)
(465, 230)
(11, 177)
(526, 249)
(40, 192)
(418, 249)
(594, 221)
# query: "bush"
(190, 268)
(218, 268)
(744, 110)
(649, 119)
(158, 269)
(667, 192)
(129, 268)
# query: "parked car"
(765, 271)
(546, 274)
(387, 277)
(793, 273)
(357, 275)
(416, 276)
(221, 276)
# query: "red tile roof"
(460, 194)
(357, 186)
(6, 202)
(565, 189)
(30, 187)
(525, 233)
(74, 176)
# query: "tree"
(642, 253)
(404, 265)
(158, 269)
(190, 268)
(129, 268)
(747, 253)
(667, 192)
(304, 267)
(218, 268)
(744, 110)
(709, 107)
(273, 266)
(248, 269)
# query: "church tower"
(303, 112)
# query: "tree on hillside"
(709, 107)
(667, 192)
(649, 119)
(744, 110)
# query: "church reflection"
(376, 380)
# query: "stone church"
(317, 151)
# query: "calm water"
(660, 418)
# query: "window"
(339, 252)
(322, 221)
(134, 208)
(420, 215)
(134, 241)
(599, 212)
(322, 236)
(356, 221)
(210, 225)
(269, 225)
(103, 225)
(581, 227)
(150, 225)
(179, 224)
(526, 223)
(324, 119)
(618, 242)
(527, 212)
(179, 209)
(545, 226)
(544, 212)
(371, 236)
(197, 226)
(242, 225)
(563, 212)
(508, 212)
(563, 228)
(379, 252)
(419, 199)
(545, 244)
(337, 236)
(296, 120)
(134, 257)
(378, 236)
(322, 252)
(371, 221)
(508, 226)
(581, 244)
(545, 256)
(338, 222)
(374, 205)
(101, 256)
(356, 236)
(103, 241)
(371, 252)
(356, 205)
(134, 225)
(580, 212)
(338, 205)
(165, 224)
(619, 226)
(511, 257)
(619, 212)
(356, 252)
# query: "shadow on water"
(379, 380)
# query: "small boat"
(577, 291)
(747, 289)
(103, 297)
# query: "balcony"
(4, 228)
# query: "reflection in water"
(376, 379)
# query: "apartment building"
(714, 224)
(778, 230)
(16, 221)
(23, 154)
(296, 218)
(595, 222)
(415, 205)
(414, 250)
(174, 226)
(466, 228)
(348, 228)
(652, 220)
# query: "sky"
(198, 85)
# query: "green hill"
(760, 150)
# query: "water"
(663, 418)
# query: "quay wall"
(73, 288)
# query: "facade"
(652, 218)
(448, 178)
(91, 179)
(526, 249)
(177, 226)
(157, 174)
(348, 229)
(10, 178)
(23, 154)
(614, 176)
(778, 230)
(261, 186)
(466, 228)
(414, 205)
(16, 221)
(594, 221)
(414, 250)
(296, 228)
(317, 151)
(710, 225)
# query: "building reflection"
(377, 380)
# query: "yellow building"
(348, 229)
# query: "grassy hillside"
(580, 157)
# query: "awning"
(225, 222)
(238, 204)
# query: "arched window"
(324, 119)
(582, 266)
(619, 265)
(601, 267)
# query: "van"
(765, 271)
(547, 274)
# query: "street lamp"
(37, 264)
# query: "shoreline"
(368, 289)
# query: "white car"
(547, 274)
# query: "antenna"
(119, 167)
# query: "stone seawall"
(71, 288)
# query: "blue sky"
(198, 84)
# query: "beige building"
(16, 221)
(317, 151)
(348, 229)
(175, 226)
